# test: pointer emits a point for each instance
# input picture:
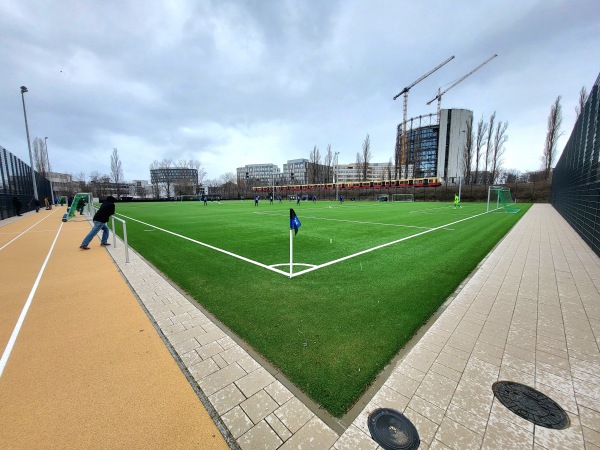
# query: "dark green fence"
(15, 181)
(576, 180)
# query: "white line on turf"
(382, 246)
(17, 329)
(350, 221)
(212, 247)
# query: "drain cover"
(392, 430)
(531, 405)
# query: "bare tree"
(359, 165)
(314, 163)
(116, 170)
(366, 157)
(40, 157)
(328, 163)
(554, 123)
(168, 178)
(500, 138)
(581, 103)
(389, 169)
(155, 183)
(468, 153)
(489, 147)
(479, 143)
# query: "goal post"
(403, 198)
(500, 198)
(86, 205)
(190, 198)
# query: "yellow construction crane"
(439, 95)
(405, 92)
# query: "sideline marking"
(17, 329)
(350, 221)
(35, 224)
(382, 246)
(313, 267)
(243, 258)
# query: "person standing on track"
(17, 205)
(100, 218)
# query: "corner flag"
(294, 221)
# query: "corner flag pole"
(291, 251)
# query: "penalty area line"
(383, 246)
(234, 255)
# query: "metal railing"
(124, 236)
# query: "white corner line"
(17, 329)
(243, 258)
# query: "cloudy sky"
(231, 83)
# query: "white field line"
(17, 329)
(430, 209)
(35, 224)
(313, 267)
(382, 246)
(351, 221)
(251, 261)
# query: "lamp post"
(35, 194)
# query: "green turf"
(332, 330)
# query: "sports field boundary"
(312, 267)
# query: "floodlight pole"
(35, 194)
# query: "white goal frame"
(403, 198)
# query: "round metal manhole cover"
(392, 430)
(531, 405)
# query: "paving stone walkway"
(530, 314)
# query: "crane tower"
(405, 92)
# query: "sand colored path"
(88, 369)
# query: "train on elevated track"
(350, 185)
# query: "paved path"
(530, 314)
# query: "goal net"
(383, 198)
(190, 198)
(82, 203)
(499, 198)
(403, 198)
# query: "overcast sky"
(231, 83)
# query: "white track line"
(35, 224)
(382, 246)
(17, 329)
(251, 261)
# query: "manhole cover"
(531, 405)
(392, 430)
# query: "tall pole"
(35, 194)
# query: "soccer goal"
(500, 197)
(82, 202)
(403, 198)
(383, 198)
(190, 198)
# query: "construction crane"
(439, 95)
(405, 92)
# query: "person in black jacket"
(17, 205)
(100, 218)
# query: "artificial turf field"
(366, 276)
